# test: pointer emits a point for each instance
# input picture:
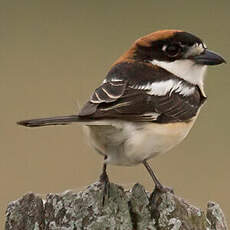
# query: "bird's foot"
(163, 189)
(156, 196)
(104, 179)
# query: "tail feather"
(60, 120)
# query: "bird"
(148, 101)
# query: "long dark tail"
(60, 120)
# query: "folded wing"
(118, 99)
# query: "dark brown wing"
(107, 93)
(120, 100)
(178, 108)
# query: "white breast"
(129, 143)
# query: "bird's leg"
(104, 177)
(158, 185)
(151, 173)
(105, 180)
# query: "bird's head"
(176, 51)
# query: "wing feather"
(117, 100)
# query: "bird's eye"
(172, 50)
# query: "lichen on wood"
(135, 209)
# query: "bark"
(135, 209)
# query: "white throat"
(185, 69)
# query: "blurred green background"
(52, 56)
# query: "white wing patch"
(161, 88)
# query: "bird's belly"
(155, 139)
(129, 143)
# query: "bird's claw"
(163, 189)
(104, 179)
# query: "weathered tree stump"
(135, 209)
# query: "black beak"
(208, 58)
